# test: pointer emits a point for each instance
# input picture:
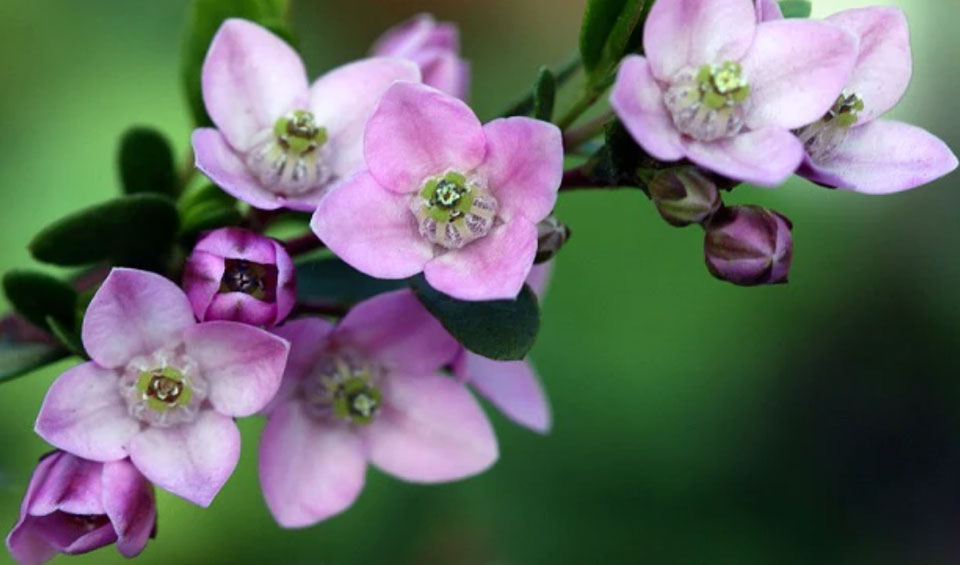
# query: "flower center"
(163, 389)
(256, 279)
(451, 211)
(823, 137)
(290, 159)
(707, 103)
(344, 387)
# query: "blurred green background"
(695, 422)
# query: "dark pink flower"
(749, 245)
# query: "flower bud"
(551, 236)
(749, 245)
(74, 506)
(238, 275)
(684, 196)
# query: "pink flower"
(434, 47)
(369, 389)
(280, 142)
(74, 506)
(445, 196)
(722, 90)
(236, 274)
(849, 147)
(161, 389)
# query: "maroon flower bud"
(749, 245)
(551, 236)
(684, 196)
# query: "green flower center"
(344, 389)
(722, 85)
(706, 102)
(298, 132)
(845, 111)
(823, 137)
(256, 279)
(164, 389)
(290, 159)
(452, 212)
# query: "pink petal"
(766, 157)
(309, 471)
(884, 65)
(202, 276)
(129, 502)
(372, 229)
(513, 387)
(134, 313)
(26, 545)
(250, 78)
(883, 157)
(407, 38)
(397, 330)
(445, 71)
(523, 167)
(243, 308)
(430, 430)
(768, 11)
(638, 101)
(344, 99)
(65, 482)
(223, 167)
(237, 243)
(242, 364)
(192, 461)
(539, 278)
(796, 69)
(308, 339)
(493, 267)
(84, 414)
(682, 33)
(417, 133)
(286, 283)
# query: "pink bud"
(749, 245)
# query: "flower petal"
(202, 277)
(766, 157)
(638, 101)
(192, 461)
(372, 229)
(309, 471)
(397, 330)
(250, 78)
(445, 71)
(223, 167)
(884, 64)
(242, 364)
(128, 500)
(681, 33)
(243, 308)
(513, 387)
(492, 268)
(431, 430)
(768, 11)
(344, 99)
(796, 69)
(84, 414)
(26, 545)
(286, 283)
(523, 167)
(418, 132)
(884, 157)
(308, 339)
(65, 482)
(237, 243)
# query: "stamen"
(452, 212)
(163, 389)
(256, 279)
(344, 387)
(823, 137)
(290, 159)
(707, 103)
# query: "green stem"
(188, 170)
(564, 73)
(575, 137)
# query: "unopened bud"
(684, 196)
(551, 236)
(749, 245)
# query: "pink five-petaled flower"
(74, 506)
(445, 195)
(239, 275)
(280, 142)
(369, 389)
(725, 92)
(849, 147)
(161, 389)
(434, 47)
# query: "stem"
(580, 178)
(304, 244)
(563, 74)
(187, 170)
(575, 137)
(589, 98)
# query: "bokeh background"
(695, 422)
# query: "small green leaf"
(135, 231)
(24, 348)
(504, 330)
(331, 281)
(38, 297)
(545, 95)
(206, 208)
(69, 338)
(796, 8)
(146, 162)
(611, 29)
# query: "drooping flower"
(161, 389)
(434, 47)
(279, 142)
(749, 245)
(445, 195)
(367, 390)
(849, 147)
(725, 92)
(242, 276)
(75, 506)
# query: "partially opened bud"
(749, 245)
(684, 196)
(551, 236)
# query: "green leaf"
(206, 16)
(796, 8)
(504, 330)
(611, 29)
(23, 348)
(331, 281)
(38, 297)
(544, 95)
(68, 337)
(206, 208)
(146, 162)
(135, 231)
